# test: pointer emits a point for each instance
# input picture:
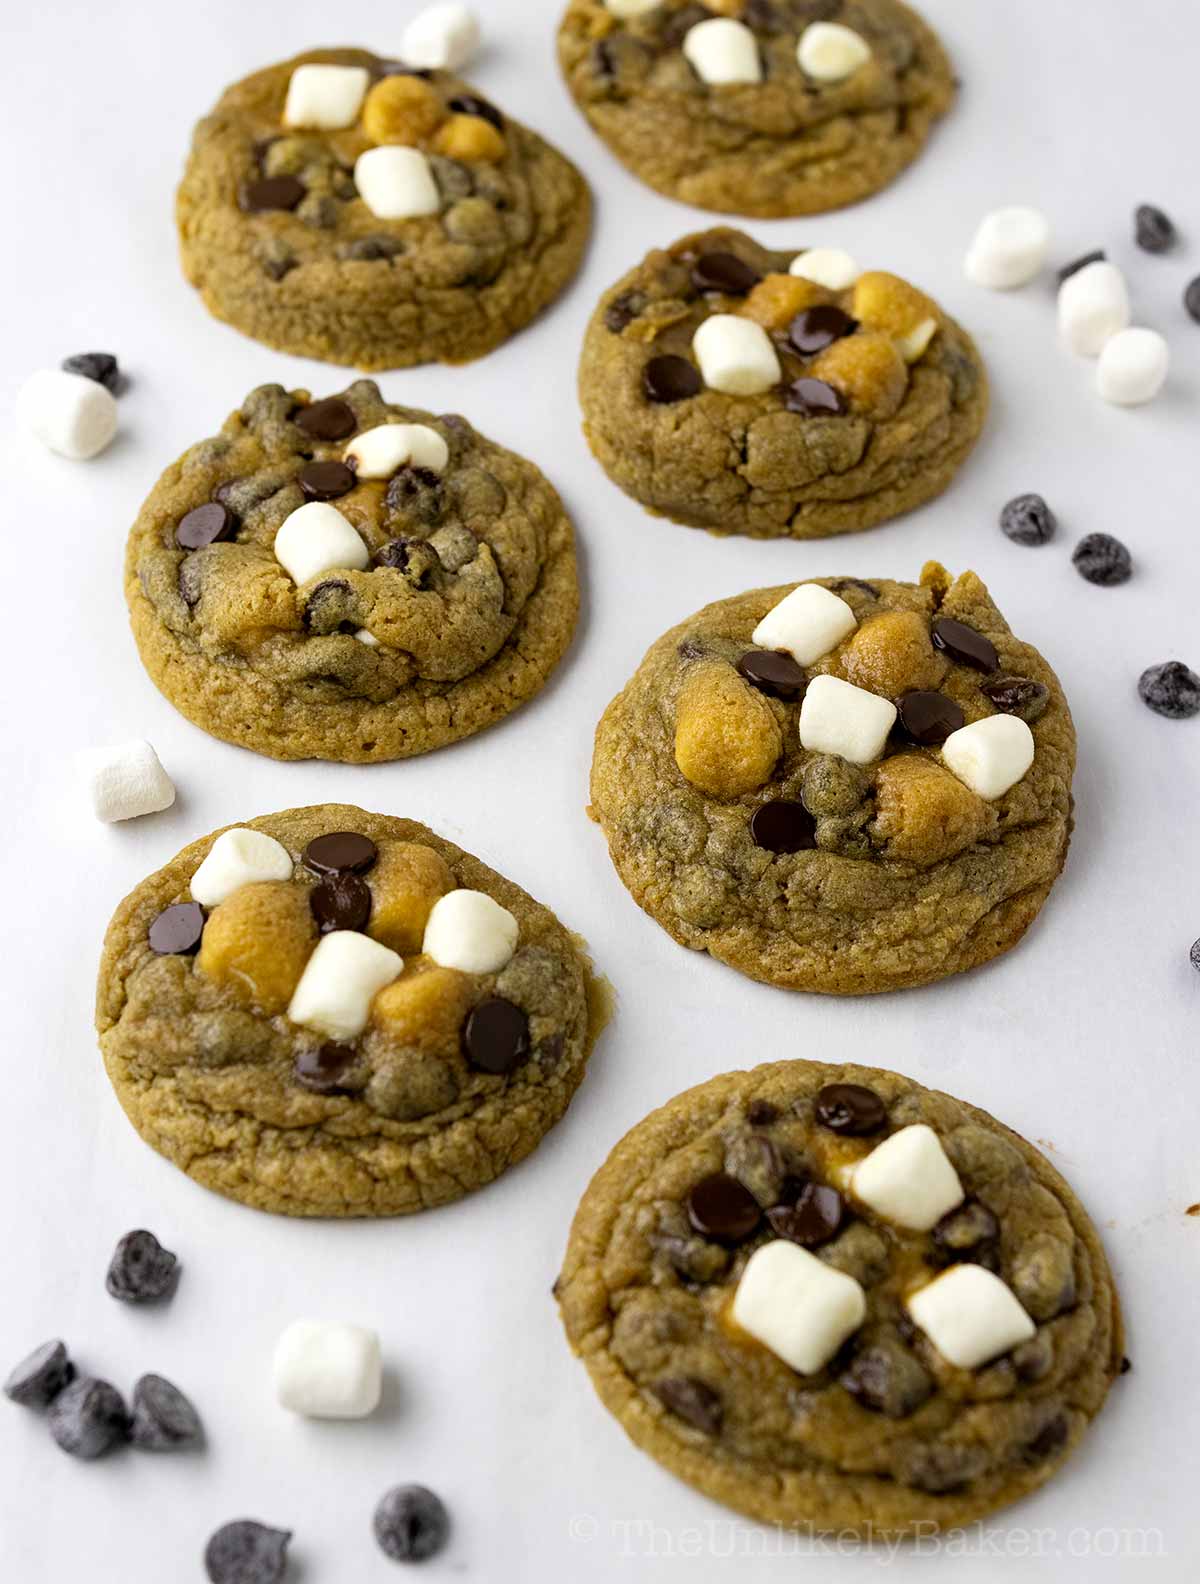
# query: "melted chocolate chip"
(693, 1400)
(774, 673)
(1017, 696)
(415, 492)
(1051, 1438)
(496, 1036)
(720, 1207)
(340, 902)
(331, 419)
(204, 525)
(928, 717)
(325, 610)
(816, 328)
(868, 589)
(813, 398)
(324, 1071)
(815, 1217)
(272, 192)
(340, 852)
(326, 481)
(783, 826)
(473, 105)
(852, 1109)
(670, 379)
(177, 930)
(623, 310)
(964, 644)
(724, 272)
(887, 1379)
(963, 1233)
(761, 1113)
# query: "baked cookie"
(332, 1013)
(349, 579)
(842, 786)
(343, 207)
(725, 387)
(758, 107)
(834, 1299)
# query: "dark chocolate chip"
(340, 852)
(928, 717)
(815, 1217)
(670, 379)
(1153, 231)
(331, 419)
(327, 608)
(1191, 298)
(177, 930)
(818, 327)
(1096, 256)
(623, 310)
(692, 1400)
(141, 1270)
(273, 192)
(204, 525)
(324, 1071)
(1171, 689)
(326, 481)
(1102, 559)
(1020, 696)
(783, 826)
(245, 1552)
(813, 398)
(473, 105)
(88, 1418)
(1027, 520)
(340, 902)
(190, 583)
(720, 1207)
(964, 644)
(1125, 1366)
(496, 1036)
(724, 272)
(761, 1113)
(277, 267)
(98, 366)
(962, 1233)
(395, 554)
(1052, 1437)
(411, 1523)
(867, 588)
(38, 1379)
(885, 1378)
(163, 1418)
(773, 672)
(852, 1109)
(368, 249)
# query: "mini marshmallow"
(1008, 249)
(68, 413)
(795, 1304)
(1133, 367)
(838, 718)
(469, 931)
(1093, 305)
(735, 355)
(914, 344)
(239, 857)
(631, 8)
(441, 38)
(990, 755)
(808, 623)
(316, 538)
(829, 52)
(325, 97)
(367, 638)
(328, 1371)
(340, 980)
(829, 267)
(908, 1179)
(379, 452)
(396, 183)
(970, 1316)
(722, 51)
(126, 780)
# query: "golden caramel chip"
(867, 369)
(471, 138)
(258, 941)
(425, 1008)
(406, 881)
(923, 814)
(892, 653)
(402, 110)
(727, 741)
(777, 299)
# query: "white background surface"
(1084, 1038)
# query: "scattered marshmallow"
(631, 8)
(723, 51)
(1009, 248)
(239, 857)
(396, 183)
(325, 97)
(316, 538)
(908, 1179)
(795, 1304)
(68, 413)
(970, 1316)
(126, 780)
(735, 354)
(990, 755)
(1093, 305)
(831, 267)
(914, 343)
(839, 718)
(829, 52)
(441, 38)
(378, 452)
(340, 980)
(1133, 367)
(328, 1371)
(470, 931)
(808, 623)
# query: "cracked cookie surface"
(431, 1100)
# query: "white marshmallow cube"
(396, 183)
(970, 1316)
(126, 780)
(340, 980)
(1133, 367)
(328, 1371)
(1093, 304)
(325, 97)
(440, 38)
(828, 52)
(838, 718)
(795, 1304)
(470, 931)
(723, 51)
(239, 857)
(631, 8)
(378, 452)
(990, 755)
(68, 413)
(316, 538)
(908, 1179)
(735, 355)
(831, 267)
(1009, 248)
(808, 623)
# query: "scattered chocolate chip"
(1153, 231)
(38, 1379)
(272, 192)
(670, 379)
(340, 902)
(783, 826)
(1027, 520)
(1191, 298)
(1194, 955)
(98, 366)
(326, 481)
(411, 1523)
(1125, 1366)
(1171, 689)
(204, 525)
(962, 1233)
(773, 672)
(1102, 559)
(88, 1418)
(1096, 256)
(163, 1418)
(1052, 1437)
(761, 1113)
(692, 1400)
(340, 852)
(724, 272)
(141, 1270)
(852, 1109)
(245, 1552)
(324, 1070)
(473, 105)
(815, 1217)
(496, 1036)
(331, 419)
(887, 1379)
(1020, 696)
(813, 398)
(720, 1207)
(818, 327)
(964, 644)
(623, 310)
(177, 930)
(928, 717)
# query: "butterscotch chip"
(868, 370)
(892, 654)
(885, 302)
(923, 814)
(258, 941)
(727, 741)
(402, 110)
(777, 299)
(425, 1008)
(406, 881)
(471, 138)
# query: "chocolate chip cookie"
(327, 1012)
(349, 579)
(845, 787)
(834, 1299)
(342, 207)
(758, 107)
(776, 394)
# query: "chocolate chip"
(326, 481)
(1191, 298)
(783, 826)
(670, 379)
(1171, 689)
(163, 1418)
(885, 1378)
(1052, 1437)
(852, 1109)
(815, 1217)
(396, 68)
(331, 419)
(177, 930)
(415, 492)
(692, 1400)
(964, 644)
(246, 1552)
(623, 310)
(1102, 559)
(1027, 520)
(473, 105)
(720, 1207)
(204, 525)
(1153, 231)
(496, 1036)
(88, 1418)
(761, 1113)
(141, 1270)
(190, 583)
(724, 272)
(1020, 696)
(868, 589)
(340, 852)
(961, 1234)
(279, 265)
(370, 248)
(38, 1379)
(1125, 1366)
(928, 717)
(98, 366)
(340, 902)
(1096, 256)
(678, 24)
(813, 398)
(324, 1071)
(772, 672)
(762, 16)
(273, 192)
(327, 608)
(411, 1523)
(818, 327)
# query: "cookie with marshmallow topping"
(327, 1012)
(834, 1299)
